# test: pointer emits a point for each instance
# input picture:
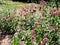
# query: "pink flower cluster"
(53, 9)
(44, 41)
(56, 13)
(26, 14)
(33, 37)
(37, 23)
(43, 3)
(33, 10)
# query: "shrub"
(39, 24)
(8, 24)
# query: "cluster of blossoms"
(8, 24)
(43, 3)
(9, 16)
(44, 41)
(55, 11)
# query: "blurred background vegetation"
(31, 0)
(9, 6)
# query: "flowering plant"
(8, 24)
(39, 25)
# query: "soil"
(5, 40)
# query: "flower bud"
(45, 40)
(33, 37)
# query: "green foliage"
(16, 41)
(8, 24)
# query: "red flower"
(54, 9)
(37, 23)
(33, 37)
(45, 40)
(34, 10)
(26, 14)
(43, 3)
(56, 13)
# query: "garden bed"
(33, 24)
